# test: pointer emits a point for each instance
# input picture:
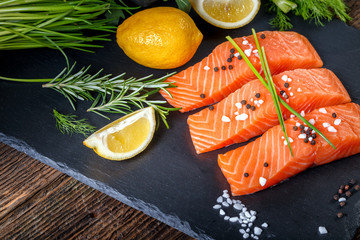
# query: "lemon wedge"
(125, 137)
(228, 14)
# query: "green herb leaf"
(184, 5)
(69, 124)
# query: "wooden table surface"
(39, 202)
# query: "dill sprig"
(29, 24)
(317, 11)
(270, 86)
(69, 124)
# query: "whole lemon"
(159, 37)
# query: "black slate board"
(169, 181)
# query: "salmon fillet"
(267, 161)
(229, 122)
(201, 85)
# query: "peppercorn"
(223, 67)
(313, 135)
(348, 194)
(308, 132)
(336, 197)
(243, 102)
(282, 92)
(286, 96)
(347, 187)
(257, 95)
(246, 174)
(266, 164)
(231, 55)
(202, 95)
(352, 182)
(239, 57)
(357, 187)
(229, 60)
(340, 191)
(231, 67)
(302, 131)
(248, 106)
(339, 214)
(295, 128)
(211, 107)
(232, 50)
(216, 69)
(253, 108)
(302, 127)
(342, 204)
(286, 85)
(262, 36)
(334, 115)
(312, 142)
(306, 140)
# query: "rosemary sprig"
(69, 124)
(267, 85)
(124, 93)
(122, 101)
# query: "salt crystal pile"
(244, 217)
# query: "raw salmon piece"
(307, 89)
(201, 85)
(267, 161)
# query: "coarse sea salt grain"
(292, 115)
(299, 90)
(323, 230)
(322, 110)
(291, 94)
(222, 212)
(325, 124)
(206, 68)
(225, 204)
(289, 80)
(264, 225)
(297, 124)
(284, 77)
(312, 121)
(261, 101)
(342, 199)
(236, 113)
(226, 218)
(302, 136)
(247, 52)
(262, 181)
(337, 121)
(238, 105)
(257, 231)
(225, 119)
(290, 139)
(236, 54)
(237, 206)
(332, 129)
(245, 42)
(302, 113)
(242, 117)
(217, 206)
(219, 199)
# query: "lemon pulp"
(129, 138)
(227, 11)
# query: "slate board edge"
(138, 204)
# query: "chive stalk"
(269, 88)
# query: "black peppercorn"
(246, 174)
(248, 106)
(266, 164)
(211, 107)
(257, 95)
(312, 142)
(202, 95)
(339, 214)
(342, 204)
(286, 85)
(232, 50)
(229, 60)
(223, 67)
(243, 102)
(336, 197)
(295, 128)
(253, 108)
(231, 67)
(282, 92)
(262, 36)
(216, 69)
(334, 115)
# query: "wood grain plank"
(39, 202)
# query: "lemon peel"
(159, 37)
(125, 137)
(227, 14)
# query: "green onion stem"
(257, 74)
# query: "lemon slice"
(126, 137)
(226, 14)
